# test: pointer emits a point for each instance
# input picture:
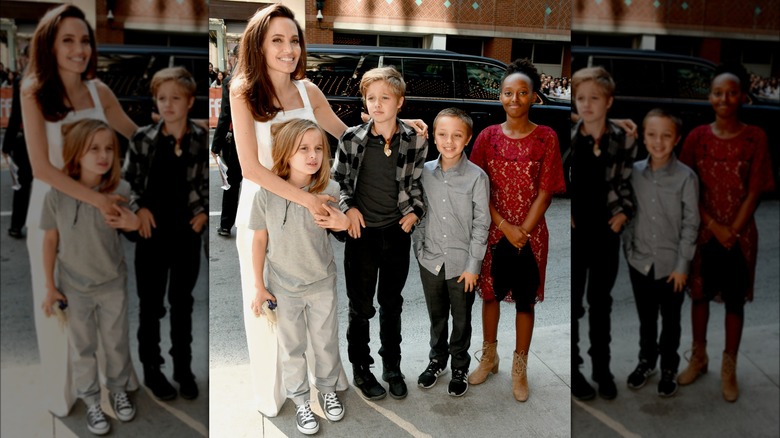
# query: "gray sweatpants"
(99, 316)
(311, 318)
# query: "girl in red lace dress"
(523, 161)
(733, 164)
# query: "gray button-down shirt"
(454, 232)
(663, 232)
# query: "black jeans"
(652, 295)
(594, 262)
(230, 196)
(443, 296)
(175, 252)
(379, 254)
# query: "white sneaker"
(97, 422)
(331, 406)
(305, 420)
(123, 407)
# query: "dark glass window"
(428, 78)
(338, 74)
(484, 81)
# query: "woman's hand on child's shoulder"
(123, 219)
(107, 203)
(315, 202)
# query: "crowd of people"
(767, 88)
(556, 87)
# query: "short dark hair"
(457, 113)
(737, 70)
(662, 112)
(526, 67)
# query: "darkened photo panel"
(105, 199)
(673, 174)
(439, 304)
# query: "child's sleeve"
(480, 224)
(257, 215)
(333, 190)
(416, 198)
(620, 198)
(133, 169)
(124, 191)
(690, 223)
(341, 170)
(199, 181)
(49, 211)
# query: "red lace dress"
(518, 169)
(728, 170)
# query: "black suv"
(648, 79)
(128, 70)
(435, 79)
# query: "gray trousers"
(310, 318)
(99, 316)
(442, 297)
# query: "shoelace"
(122, 402)
(433, 368)
(520, 366)
(331, 401)
(305, 413)
(95, 415)
(458, 375)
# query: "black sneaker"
(580, 388)
(607, 388)
(459, 383)
(188, 389)
(365, 381)
(158, 384)
(667, 387)
(396, 384)
(641, 374)
(16, 233)
(431, 374)
(223, 231)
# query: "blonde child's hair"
(287, 137)
(178, 74)
(77, 138)
(599, 75)
(390, 75)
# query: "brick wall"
(499, 48)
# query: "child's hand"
(678, 279)
(470, 279)
(124, 219)
(617, 221)
(626, 125)
(408, 221)
(334, 220)
(107, 203)
(52, 295)
(356, 222)
(261, 297)
(514, 234)
(198, 222)
(147, 222)
(419, 126)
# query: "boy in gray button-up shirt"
(450, 244)
(659, 244)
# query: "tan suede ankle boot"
(488, 363)
(520, 376)
(697, 365)
(728, 376)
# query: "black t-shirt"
(377, 188)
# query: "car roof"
(125, 49)
(636, 53)
(399, 51)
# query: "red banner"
(6, 97)
(215, 104)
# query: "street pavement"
(23, 415)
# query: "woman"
(59, 88)
(267, 88)
(523, 162)
(217, 83)
(734, 167)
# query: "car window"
(688, 80)
(338, 74)
(125, 74)
(483, 81)
(642, 78)
(426, 77)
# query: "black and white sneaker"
(667, 387)
(459, 383)
(123, 407)
(305, 420)
(431, 374)
(97, 422)
(331, 406)
(641, 374)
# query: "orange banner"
(6, 97)
(215, 104)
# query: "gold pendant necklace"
(387, 147)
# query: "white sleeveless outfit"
(268, 388)
(56, 380)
